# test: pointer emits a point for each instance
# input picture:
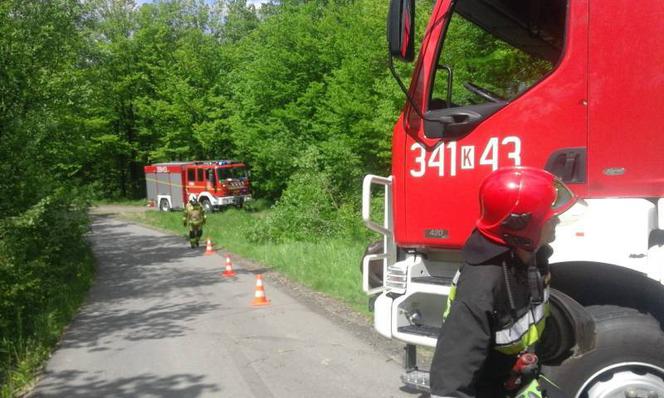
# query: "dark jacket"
(467, 362)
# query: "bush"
(312, 208)
(45, 270)
(257, 205)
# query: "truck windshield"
(497, 49)
(225, 173)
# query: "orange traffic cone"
(259, 298)
(208, 248)
(228, 272)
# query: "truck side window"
(497, 50)
(199, 176)
(191, 175)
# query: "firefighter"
(194, 217)
(498, 302)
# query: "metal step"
(433, 280)
(423, 330)
(416, 379)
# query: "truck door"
(211, 180)
(200, 180)
(502, 83)
(191, 178)
(626, 97)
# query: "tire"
(627, 361)
(164, 205)
(207, 206)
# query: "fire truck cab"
(572, 86)
(215, 183)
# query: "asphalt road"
(161, 322)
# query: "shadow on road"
(157, 272)
(97, 330)
(146, 265)
(180, 385)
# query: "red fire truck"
(215, 183)
(573, 86)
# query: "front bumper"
(233, 200)
(411, 310)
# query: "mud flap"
(569, 331)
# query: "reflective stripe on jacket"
(524, 331)
(518, 335)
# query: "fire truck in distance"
(572, 86)
(215, 183)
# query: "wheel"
(207, 206)
(164, 205)
(238, 202)
(628, 359)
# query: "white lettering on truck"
(448, 151)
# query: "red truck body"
(594, 99)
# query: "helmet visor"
(564, 197)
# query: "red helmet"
(515, 203)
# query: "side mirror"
(401, 29)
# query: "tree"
(40, 47)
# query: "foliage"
(307, 76)
(40, 92)
(307, 209)
(311, 208)
(45, 271)
(185, 79)
(45, 265)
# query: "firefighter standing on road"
(498, 302)
(194, 217)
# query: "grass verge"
(330, 266)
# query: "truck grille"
(396, 278)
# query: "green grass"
(330, 266)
